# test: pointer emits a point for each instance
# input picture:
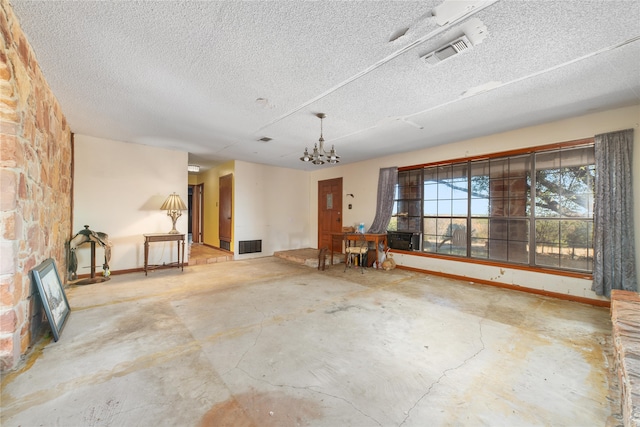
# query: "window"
(533, 208)
(445, 209)
(407, 212)
(564, 194)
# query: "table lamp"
(174, 207)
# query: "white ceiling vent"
(447, 51)
(453, 10)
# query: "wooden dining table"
(369, 237)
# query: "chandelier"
(319, 156)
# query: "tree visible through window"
(564, 208)
(534, 208)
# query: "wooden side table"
(163, 237)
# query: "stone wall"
(625, 317)
(36, 185)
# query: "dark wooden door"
(329, 213)
(225, 218)
(197, 194)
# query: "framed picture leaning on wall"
(52, 295)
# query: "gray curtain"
(386, 189)
(614, 265)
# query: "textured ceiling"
(212, 78)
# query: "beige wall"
(272, 205)
(119, 188)
(269, 204)
(360, 179)
(35, 180)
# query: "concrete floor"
(268, 342)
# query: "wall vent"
(225, 245)
(447, 51)
(249, 246)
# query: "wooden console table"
(369, 237)
(163, 237)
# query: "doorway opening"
(196, 212)
(225, 212)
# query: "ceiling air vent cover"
(447, 51)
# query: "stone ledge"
(625, 316)
(308, 256)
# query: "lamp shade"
(173, 203)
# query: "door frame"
(340, 213)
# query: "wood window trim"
(528, 150)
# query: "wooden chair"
(356, 251)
